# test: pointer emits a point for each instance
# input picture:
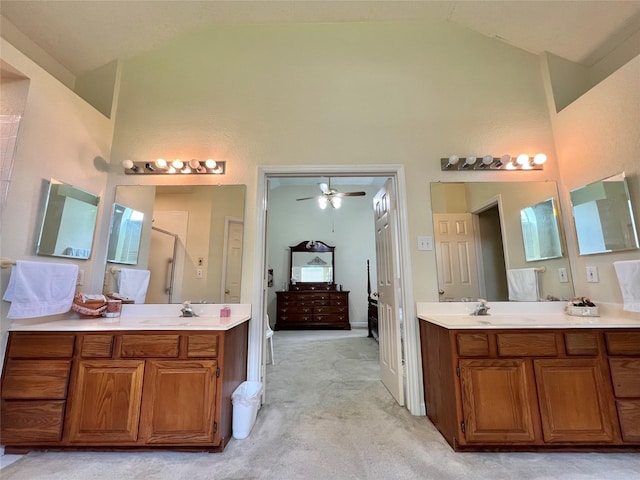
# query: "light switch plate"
(592, 274)
(198, 273)
(425, 243)
(562, 275)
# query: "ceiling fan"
(330, 196)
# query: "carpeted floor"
(327, 416)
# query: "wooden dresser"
(311, 308)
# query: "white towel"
(134, 283)
(37, 289)
(523, 285)
(628, 273)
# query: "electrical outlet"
(198, 273)
(562, 275)
(80, 279)
(425, 243)
(592, 274)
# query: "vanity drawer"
(202, 346)
(629, 415)
(473, 344)
(527, 344)
(96, 346)
(623, 343)
(146, 345)
(36, 379)
(625, 373)
(41, 345)
(581, 343)
(32, 420)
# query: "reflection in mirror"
(541, 231)
(69, 222)
(603, 216)
(312, 262)
(191, 241)
(478, 236)
(124, 235)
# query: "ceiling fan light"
(336, 202)
(322, 202)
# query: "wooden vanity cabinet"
(531, 389)
(169, 389)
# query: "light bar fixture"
(175, 167)
(489, 162)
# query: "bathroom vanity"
(147, 381)
(532, 382)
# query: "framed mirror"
(603, 216)
(69, 222)
(312, 262)
(541, 231)
(124, 235)
(191, 240)
(479, 236)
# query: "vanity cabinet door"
(105, 404)
(497, 400)
(574, 401)
(179, 402)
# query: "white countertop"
(141, 317)
(520, 315)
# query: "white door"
(232, 268)
(456, 256)
(391, 370)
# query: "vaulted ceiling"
(83, 35)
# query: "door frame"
(414, 396)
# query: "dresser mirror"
(541, 231)
(479, 234)
(69, 222)
(603, 216)
(312, 262)
(124, 235)
(191, 241)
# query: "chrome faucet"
(481, 309)
(187, 311)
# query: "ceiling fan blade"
(351, 194)
(309, 198)
(324, 187)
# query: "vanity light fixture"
(488, 162)
(160, 167)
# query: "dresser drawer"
(145, 345)
(330, 310)
(473, 344)
(527, 344)
(339, 300)
(623, 343)
(295, 308)
(335, 318)
(36, 379)
(294, 318)
(41, 345)
(202, 346)
(625, 373)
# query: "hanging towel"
(37, 289)
(523, 284)
(133, 283)
(628, 273)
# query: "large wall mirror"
(191, 241)
(480, 235)
(603, 216)
(69, 222)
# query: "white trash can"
(246, 401)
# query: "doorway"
(493, 278)
(412, 369)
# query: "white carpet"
(327, 416)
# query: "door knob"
(376, 294)
(226, 290)
(441, 292)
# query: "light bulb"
(453, 159)
(539, 159)
(322, 202)
(336, 202)
(510, 166)
(523, 159)
(487, 160)
(177, 164)
(161, 163)
(210, 163)
(195, 164)
(127, 164)
(171, 169)
(470, 160)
